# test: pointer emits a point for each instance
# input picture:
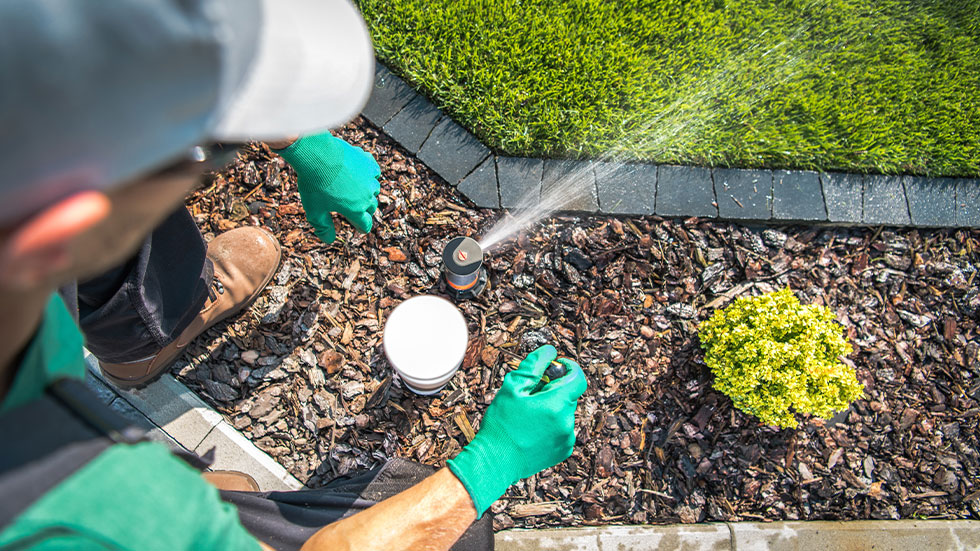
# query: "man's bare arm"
(429, 516)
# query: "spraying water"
(748, 75)
(571, 188)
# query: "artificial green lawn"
(862, 85)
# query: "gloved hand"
(334, 176)
(523, 431)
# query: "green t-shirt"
(137, 497)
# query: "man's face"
(137, 209)
(134, 210)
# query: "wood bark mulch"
(303, 375)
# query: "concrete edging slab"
(899, 535)
(175, 415)
(692, 537)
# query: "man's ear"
(40, 248)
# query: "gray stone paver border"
(685, 191)
(575, 176)
(738, 194)
(452, 151)
(798, 195)
(932, 202)
(885, 202)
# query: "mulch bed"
(303, 375)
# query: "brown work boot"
(244, 259)
(231, 481)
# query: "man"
(139, 316)
(99, 101)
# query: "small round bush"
(775, 357)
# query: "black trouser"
(134, 310)
(285, 520)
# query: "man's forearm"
(429, 516)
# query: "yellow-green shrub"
(775, 357)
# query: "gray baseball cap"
(96, 93)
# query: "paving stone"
(685, 191)
(413, 124)
(676, 537)
(796, 195)
(884, 201)
(744, 194)
(481, 185)
(679, 537)
(389, 95)
(877, 535)
(968, 203)
(175, 409)
(125, 409)
(844, 194)
(452, 151)
(98, 387)
(520, 181)
(234, 452)
(563, 539)
(932, 201)
(626, 188)
(568, 186)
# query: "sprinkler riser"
(462, 268)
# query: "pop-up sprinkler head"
(462, 264)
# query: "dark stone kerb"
(932, 201)
(481, 187)
(797, 196)
(389, 96)
(519, 180)
(639, 189)
(968, 203)
(451, 151)
(413, 124)
(685, 191)
(743, 194)
(844, 197)
(626, 188)
(569, 185)
(884, 201)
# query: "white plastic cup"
(425, 340)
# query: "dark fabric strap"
(78, 399)
(47, 440)
(44, 443)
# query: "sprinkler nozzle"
(462, 261)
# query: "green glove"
(523, 431)
(334, 176)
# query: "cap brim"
(313, 69)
